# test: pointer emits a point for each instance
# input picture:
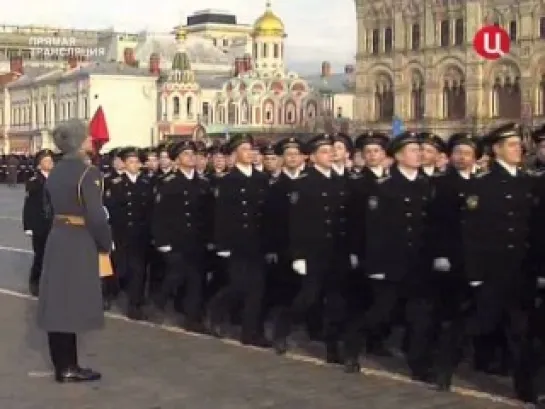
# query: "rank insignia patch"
(97, 182)
(472, 202)
(294, 197)
(373, 203)
(108, 193)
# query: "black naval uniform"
(238, 220)
(182, 238)
(129, 204)
(395, 244)
(495, 237)
(37, 219)
(318, 234)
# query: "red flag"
(98, 129)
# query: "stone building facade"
(415, 61)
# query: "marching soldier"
(37, 215)
(202, 158)
(218, 163)
(342, 151)
(115, 169)
(318, 233)
(395, 238)
(128, 200)
(238, 219)
(150, 163)
(271, 161)
(165, 164)
(183, 239)
(495, 237)
(432, 146)
(70, 300)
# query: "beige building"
(415, 60)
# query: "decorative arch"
(417, 94)
(220, 113)
(232, 112)
(506, 92)
(268, 111)
(311, 110)
(175, 106)
(383, 85)
(290, 112)
(494, 16)
(453, 83)
(245, 113)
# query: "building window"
(205, 109)
(513, 30)
(189, 107)
(265, 51)
(388, 40)
(459, 31)
(255, 50)
(415, 37)
(445, 33)
(542, 28)
(225, 42)
(54, 111)
(85, 108)
(276, 50)
(36, 114)
(269, 113)
(176, 106)
(44, 111)
(375, 41)
(214, 42)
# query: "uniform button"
(510, 214)
(510, 246)
(324, 194)
(185, 192)
(129, 193)
(328, 221)
(245, 214)
(186, 203)
(129, 214)
(242, 190)
(188, 214)
(510, 230)
(245, 226)
(409, 229)
(326, 208)
(342, 207)
(407, 199)
(343, 220)
(424, 213)
(508, 196)
(328, 235)
(129, 203)
(409, 214)
(244, 203)
(188, 224)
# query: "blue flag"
(397, 127)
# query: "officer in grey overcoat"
(70, 297)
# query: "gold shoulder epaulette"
(481, 174)
(32, 179)
(302, 176)
(116, 180)
(355, 175)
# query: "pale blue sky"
(317, 29)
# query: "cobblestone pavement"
(151, 367)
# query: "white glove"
(271, 258)
(354, 262)
(541, 282)
(113, 246)
(28, 233)
(210, 246)
(475, 283)
(224, 254)
(106, 212)
(300, 267)
(378, 276)
(164, 249)
(441, 264)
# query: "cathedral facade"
(416, 62)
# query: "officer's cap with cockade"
(345, 139)
(371, 138)
(129, 152)
(236, 140)
(317, 142)
(402, 140)
(464, 138)
(182, 146)
(287, 143)
(509, 130)
(267, 149)
(434, 140)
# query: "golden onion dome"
(269, 24)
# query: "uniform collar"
(512, 170)
(377, 170)
(189, 175)
(132, 177)
(428, 170)
(291, 175)
(465, 174)
(246, 170)
(409, 174)
(323, 171)
(339, 169)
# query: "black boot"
(77, 375)
(34, 287)
(352, 365)
(333, 356)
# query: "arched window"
(276, 50)
(506, 97)
(417, 97)
(55, 111)
(384, 98)
(176, 106)
(454, 95)
(265, 51)
(36, 113)
(85, 108)
(44, 113)
(269, 112)
(189, 107)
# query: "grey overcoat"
(70, 290)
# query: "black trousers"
(183, 270)
(131, 269)
(387, 296)
(246, 286)
(63, 350)
(38, 246)
(322, 287)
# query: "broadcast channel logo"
(492, 42)
(61, 48)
